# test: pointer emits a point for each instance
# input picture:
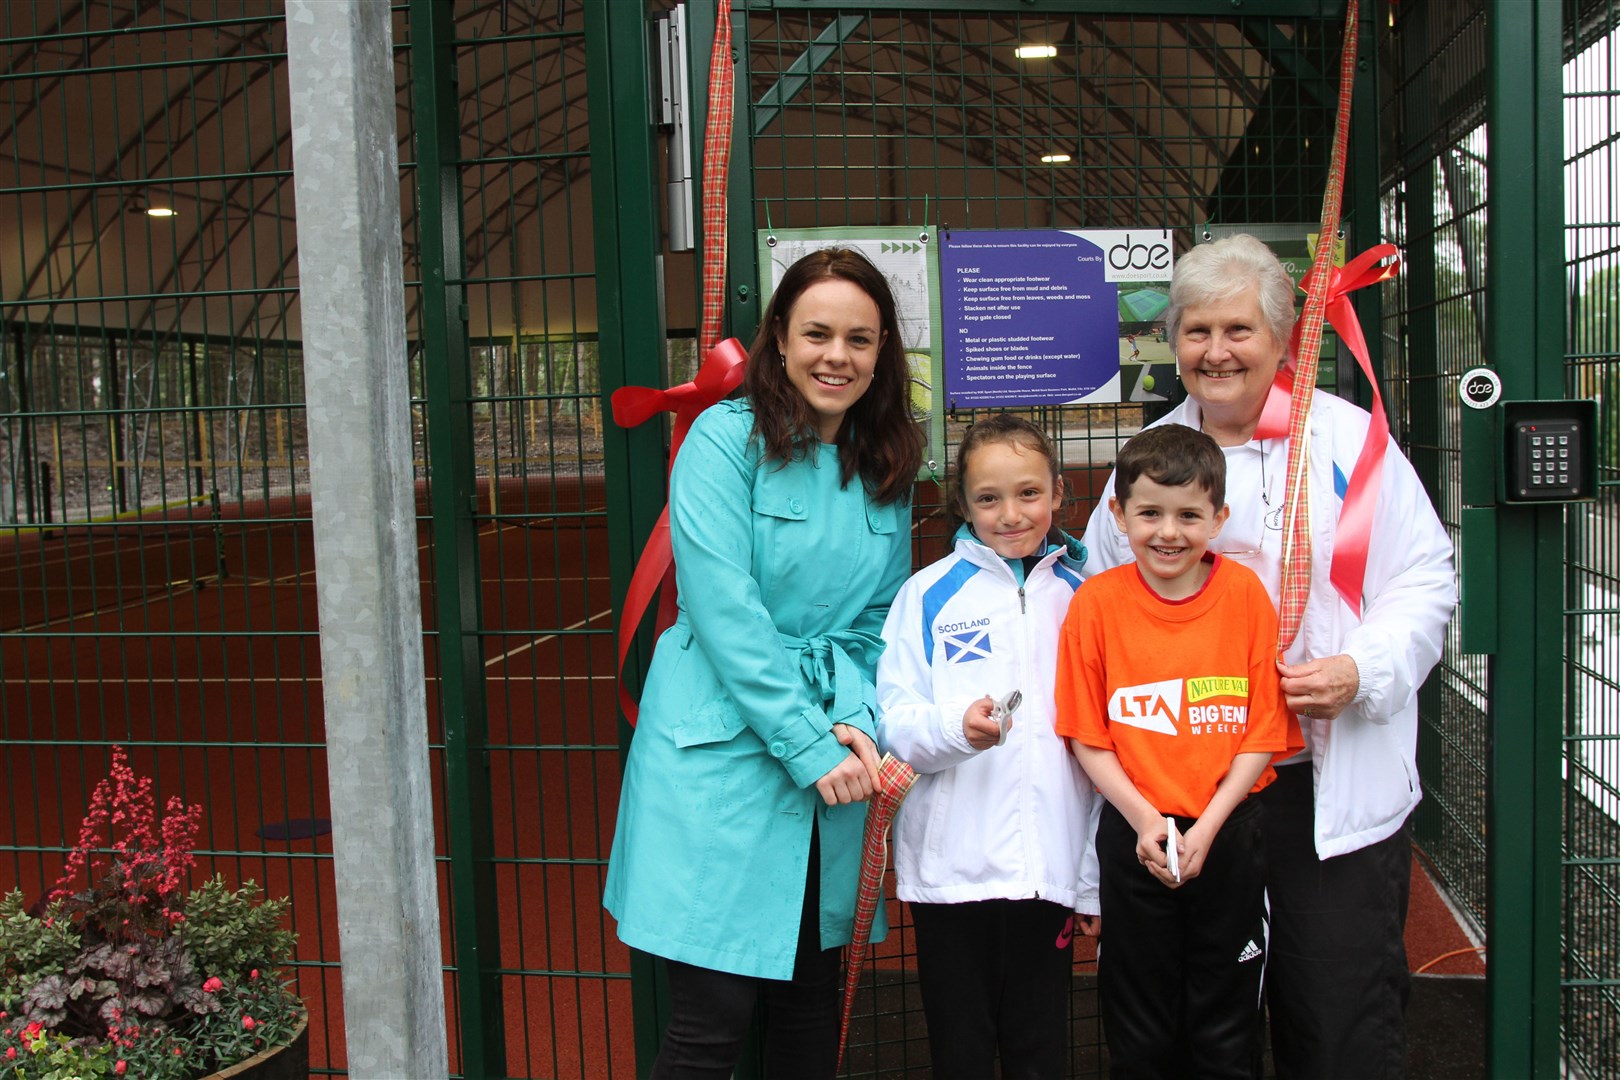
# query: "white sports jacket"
(1365, 760)
(1016, 821)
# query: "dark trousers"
(996, 976)
(712, 1011)
(1338, 980)
(1180, 971)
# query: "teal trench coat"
(784, 579)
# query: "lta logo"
(1150, 706)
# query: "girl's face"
(829, 346)
(1010, 496)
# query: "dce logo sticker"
(1137, 255)
(1479, 388)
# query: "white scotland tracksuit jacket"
(1015, 821)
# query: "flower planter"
(290, 1062)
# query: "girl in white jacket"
(993, 845)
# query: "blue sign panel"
(1030, 318)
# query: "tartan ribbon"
(716, 169)
(895, 778)
(1296, 559)
(720, 373)
(1353, 540)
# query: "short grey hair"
(1220, 272)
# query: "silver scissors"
(1002, 712)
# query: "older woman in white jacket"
(1338, 846)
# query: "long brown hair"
(878, 438)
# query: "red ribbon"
(1354, 537)
(720, 374)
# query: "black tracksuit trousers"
(1180, 971)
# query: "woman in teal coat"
(737, 850)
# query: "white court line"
(549, 637)
(98, 545)
(488, 530)
(170, 589)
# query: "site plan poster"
(907, 256)
(1054, 317)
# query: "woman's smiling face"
(829, 346)
(1228, 356)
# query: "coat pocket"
(881, 518)
(715, 722)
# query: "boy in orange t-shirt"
(1167, 689)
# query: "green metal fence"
(1590, 927)
(154, 517)
(506, 313)
(1431, 122)
(153, 483)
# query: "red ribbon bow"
(720, 374)
(1354, 538)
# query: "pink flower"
(254, 974)
(214, 983)
(121, 1067)
(249, 1023)
(11, 1053)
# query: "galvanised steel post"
(630, 317)
(454, 497)
(1525, 324)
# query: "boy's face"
(1169, 529)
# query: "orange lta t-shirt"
(1175, 688)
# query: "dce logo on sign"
(1136, 255)
(1479, 388)
(1127, 255)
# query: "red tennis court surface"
(129, 633)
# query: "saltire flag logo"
(966, 646)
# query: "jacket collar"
(1071, 552)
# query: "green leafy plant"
(132, 974)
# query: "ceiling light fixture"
(1035, 52)
(159, 211)
(1055, 159)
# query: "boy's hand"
(1195, 845)
(1150, 842)
(1090, 925)
(978, 727)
